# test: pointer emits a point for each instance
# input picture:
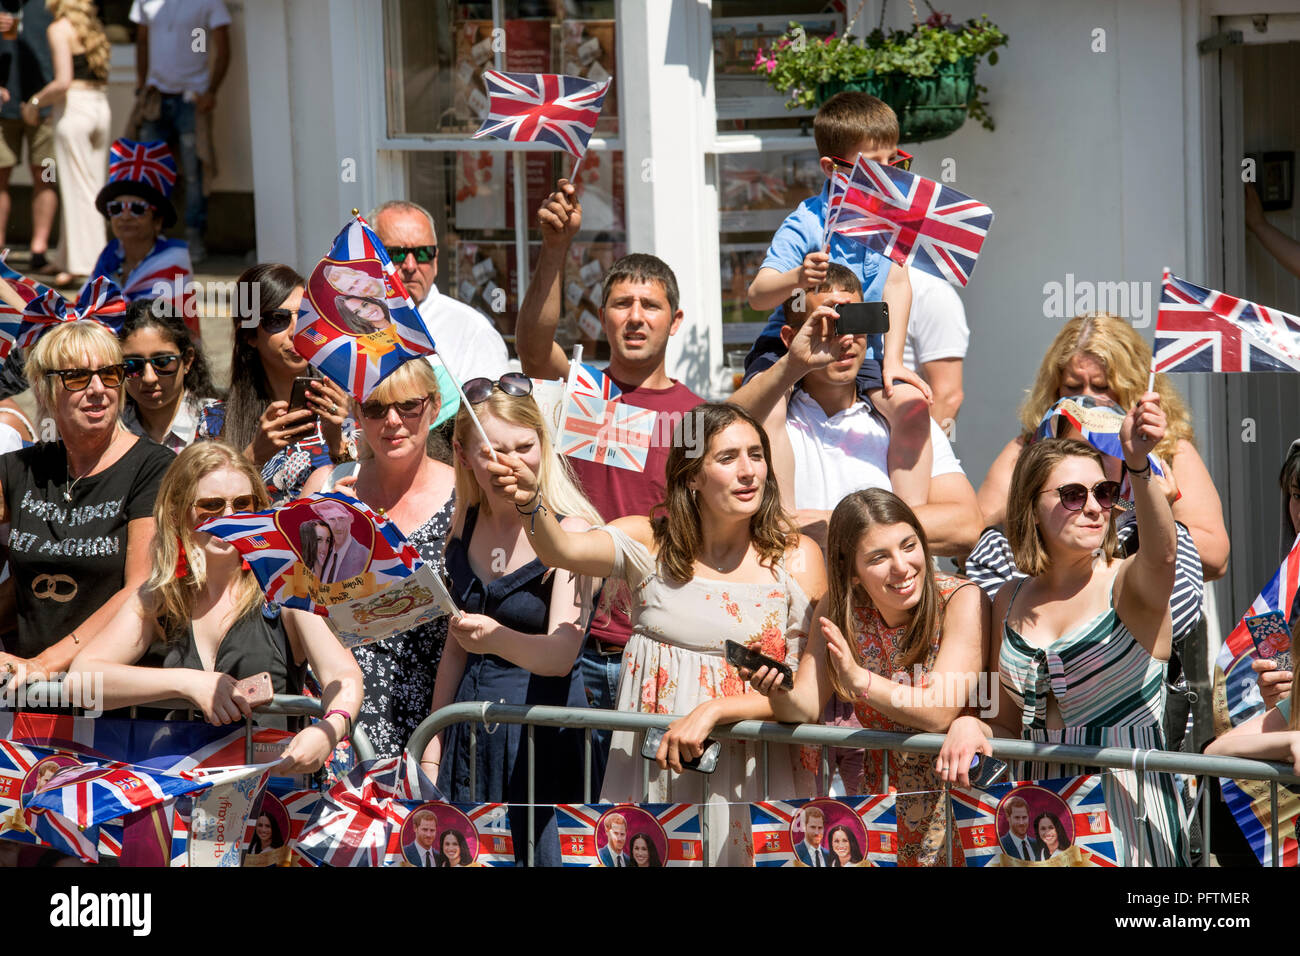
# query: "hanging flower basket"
(928, 107)
(925, 73)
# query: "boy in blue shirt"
(848, 124)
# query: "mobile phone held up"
(738, 656)
(706, 762)
(986, 771)
(298, 397)
(862, 318)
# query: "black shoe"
(39, 263)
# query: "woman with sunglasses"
(80, 509)
(168, 383)
(397, 479)
(207, 607)
(520, 630)
(287, 445)
(138, 208)
(1085, 638)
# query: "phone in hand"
(738, 656)
(986, 771)
(862, 318)
(706, 762)
(298, 397)
(257, 690)
(1272, 637)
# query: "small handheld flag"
(1203, 330)
(546, 108)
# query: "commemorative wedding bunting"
(479, 833)
(330, 554)
(614, 835)
(286, 808)
(1263, 631)
(22, 768)
(909, 219)
(1075, 807)
(865, 829)
(1203, 330)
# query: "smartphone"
(1272, 637)
(738, 656)
(986, 771)
(707, 762)
(298, 397)
(257, 690)
(862, 318)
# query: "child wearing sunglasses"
(168, 382)
(1085, 639)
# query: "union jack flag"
(90, 796)
(35, 825)
(912, 220)
(1098, 422)
(261, 539)
(589, 380)
(1249, 802)
(672, 828)
(150, 163)
(550, 108)
(608, 433)
(288, 808)
(777, 829)
(1078, 803)
(358, 361)
(1202, 330)
(353, 823)
(485, 827)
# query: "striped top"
(1099, 674)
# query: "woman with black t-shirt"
(81, 509)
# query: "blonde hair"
(417, 376)
(555, 477)
(81, 14)
(173, 592)
(1125, 356)
(1032, 468)
(68, 345)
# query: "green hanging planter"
(928, 107)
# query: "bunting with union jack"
(319, 550)
(357, 323)
(631, 834)
(544, 108)
(355, 818)
(1203, 330)
(1008, 822)
(912, 220)
(466, 834)
(93, 795)
(855, 831)
(277, 820)
(23, 768)
(606, 432)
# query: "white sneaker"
(198, 251)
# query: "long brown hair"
(852, 518)
(677, 531)
(174, 593)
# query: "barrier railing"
(282, 705)
(818, 735)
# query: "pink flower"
(771, 66)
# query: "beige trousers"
(81, 144)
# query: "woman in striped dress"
(1085, 637)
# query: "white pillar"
(266, 43)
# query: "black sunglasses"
(410, 408)
(515, 384)
(162, 365)
(1074, 495)
(422, 254)
(277, 320)
(135, 207)
(78, 379)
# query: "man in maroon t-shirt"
(639, 314)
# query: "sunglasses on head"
(422, 254)
(515, 384)
(162, 365)
(277, 320)
(410, 408)
(136, 207)
(1074, 495)
(210, 507)
(900, 160)
(78, 379)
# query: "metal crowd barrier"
(1117, 758)
(282, 705)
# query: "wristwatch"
(34, 102)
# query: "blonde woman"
(80, 53)
(209, 611)
(1101, 355)
(519, 636)
(80, 509)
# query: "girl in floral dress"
(918, 645)
(719, 561)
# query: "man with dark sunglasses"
(468, 342)
(639, 313)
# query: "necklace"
(67, 488)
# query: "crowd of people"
(804, 519)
